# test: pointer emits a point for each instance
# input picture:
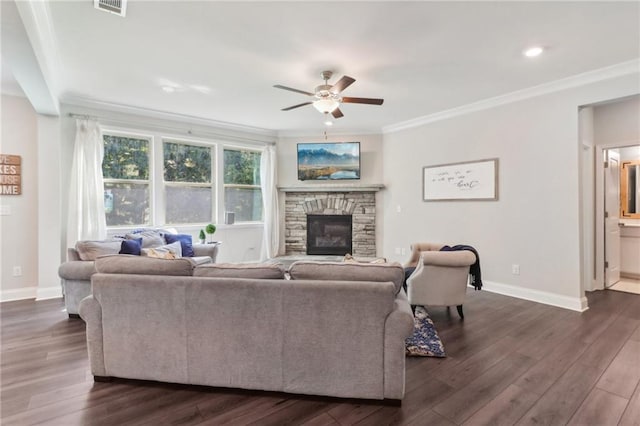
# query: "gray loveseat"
(76, 273)
(341, 337)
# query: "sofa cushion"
(129, 264)
(339, 271)
(132, 246)
(90, 250)
(185, 241)
(150, 238)
(168, 251)
(241, 270)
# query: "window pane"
(126, 203)
(187, 163)
(246, 203)
(241, 167)
(188, 204)
(125, 158)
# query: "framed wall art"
(469, 180)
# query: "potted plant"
(201, 237)
(210, 229)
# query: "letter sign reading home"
(10, 175)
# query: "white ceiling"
(421, 57)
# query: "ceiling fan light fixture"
(326, 106)
(533, 51)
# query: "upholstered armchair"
(440, 277)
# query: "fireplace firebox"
(329, 234)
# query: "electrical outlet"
(398, 250)
(515, 269)
(17, 271)
(398, 209)
(404, 251)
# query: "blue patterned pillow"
(186, 243)
(132, 246)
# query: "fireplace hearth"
(329, 234)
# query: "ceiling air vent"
(117, 7)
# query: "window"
(152, 179)
(188, 183)
(242, 193)
(125, 168)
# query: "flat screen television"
(329, 161)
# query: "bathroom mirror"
(630, 189)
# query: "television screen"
(329, 161)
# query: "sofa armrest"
(210, 250)
(418, 248)
(77, 270)
(398, 327)
(448, 258)
(91, 313)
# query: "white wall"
(19, 229)
(618, 122)
(371, 170)
(536, 221)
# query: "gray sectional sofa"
(76, 273)
(325, 329)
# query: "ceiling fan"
(327, 98)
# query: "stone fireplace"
(358, 204)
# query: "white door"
(612, 218)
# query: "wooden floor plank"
(601, 408)
(545, 372)
(562, 400)
(505, 409)
(466, 401)
(623, 374)
(631, 416)
(603, 350)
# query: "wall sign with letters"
(10, 174)
(469, 180)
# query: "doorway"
(619, 231)
(608, 136)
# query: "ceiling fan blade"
(337, 113)
(342, 84)
(296, 106)
(279, 86)
(369, 101)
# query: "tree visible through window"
(188, 183)
(242, 193)
(125, 168)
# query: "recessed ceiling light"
(328, 123)
(168, 89)
(534, 51)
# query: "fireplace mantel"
(372, 187)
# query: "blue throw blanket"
(474, 270)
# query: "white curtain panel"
(86, 193)
(268, 181)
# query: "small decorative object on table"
(210, 229)
(201, 237)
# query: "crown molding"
(613, 71)
(84, 102)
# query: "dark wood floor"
(510, 362)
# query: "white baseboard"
(49, 292)
(573, 303)
(30, 293)
(18, 294)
